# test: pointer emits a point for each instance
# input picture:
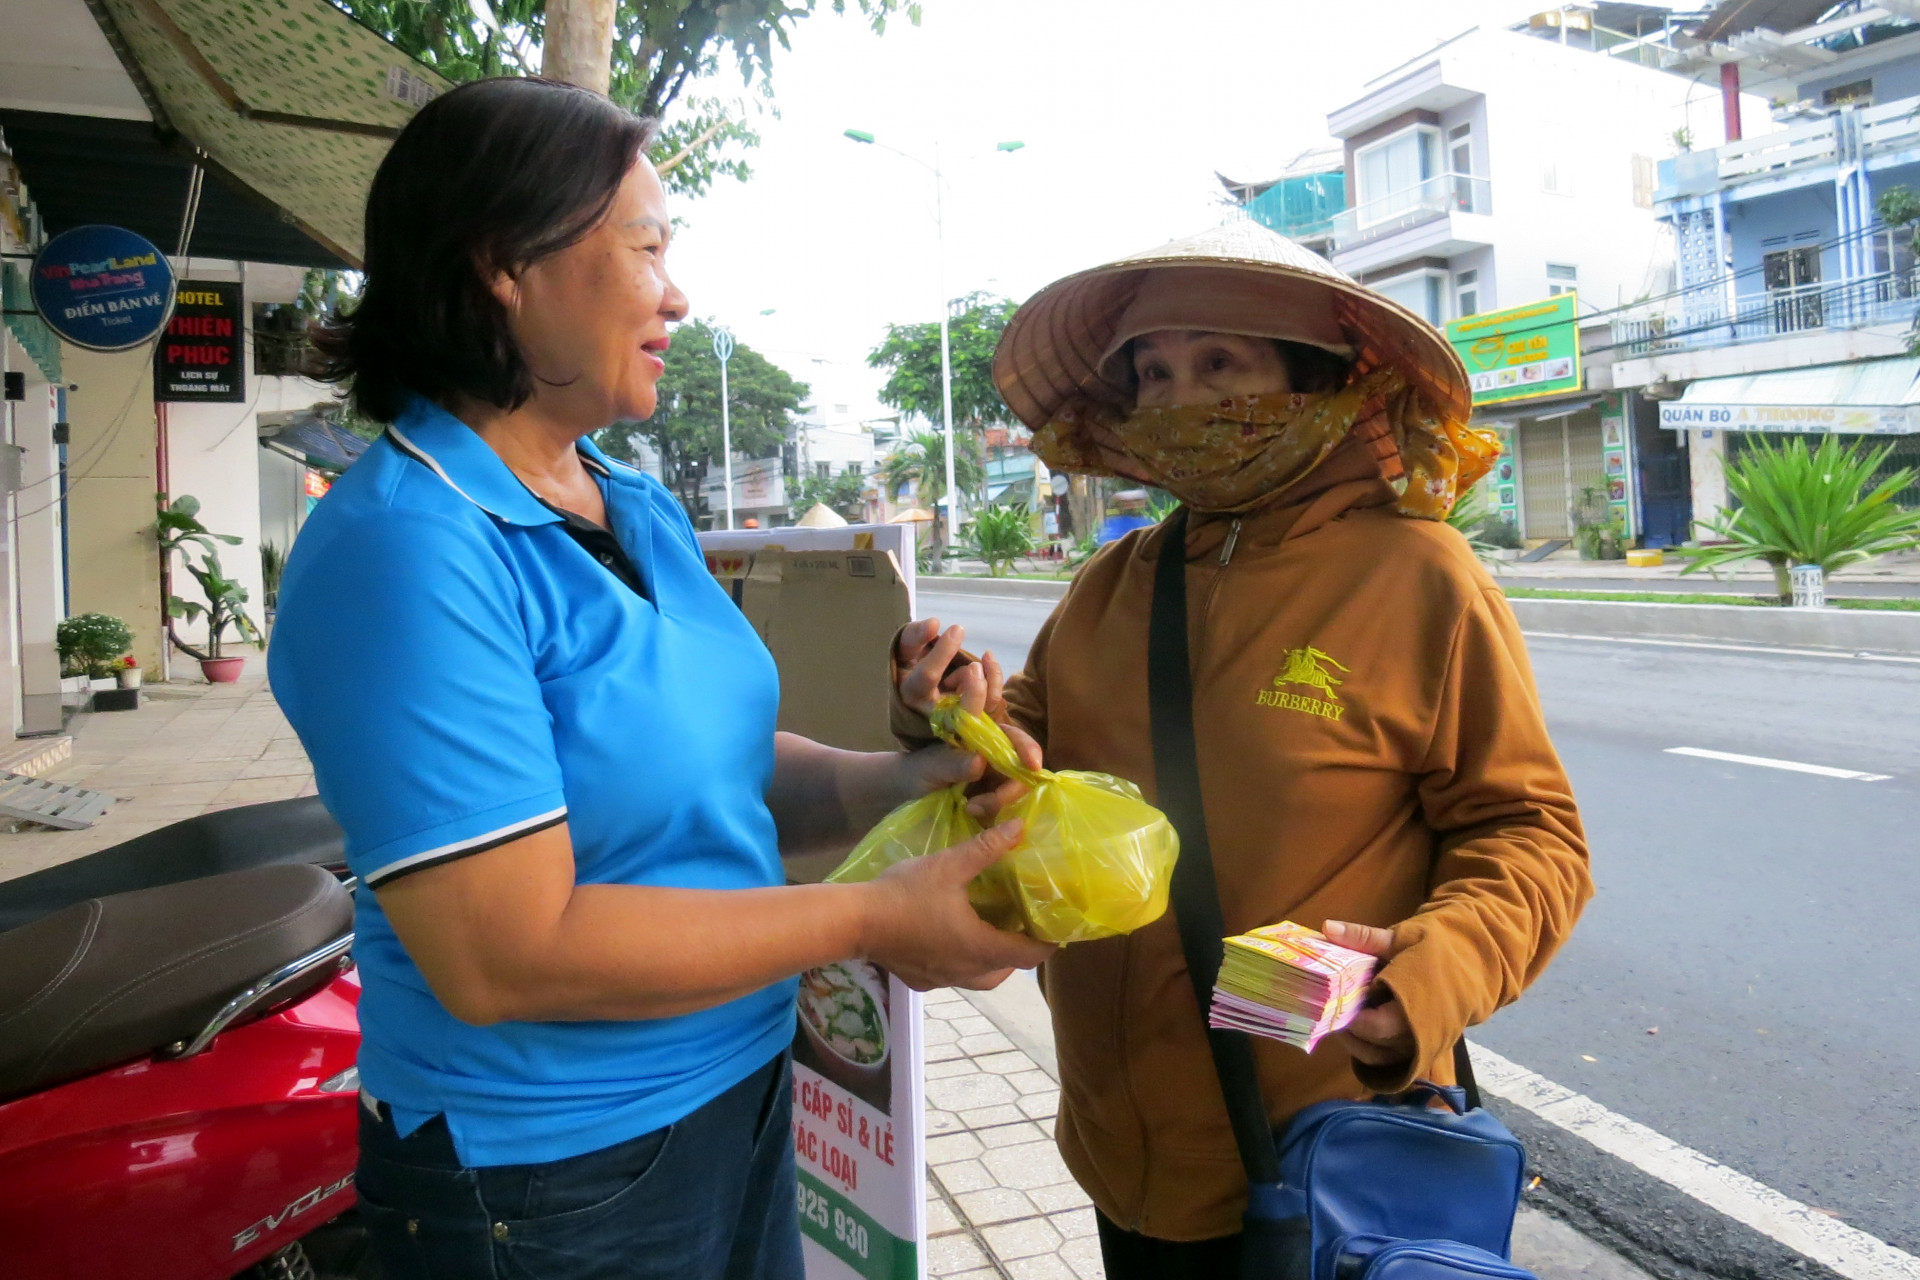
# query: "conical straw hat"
(1054, 347)
(821, 516)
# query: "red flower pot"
(221, 670)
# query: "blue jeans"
(709, 1197)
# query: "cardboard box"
(828, 617)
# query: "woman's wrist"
(872, 912)
(874, 784)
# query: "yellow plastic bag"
(1094, 861)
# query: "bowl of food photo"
(843, 1014)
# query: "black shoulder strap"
(1196, 898)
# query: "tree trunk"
(579, 43)
(1086, 503)
(936, 550)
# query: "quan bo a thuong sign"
(1803, 419)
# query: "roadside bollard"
(1809, 586)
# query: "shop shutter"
(1543, 481)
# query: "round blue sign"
(103, 288)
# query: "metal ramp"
(53, 804)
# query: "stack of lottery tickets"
(1287, 982)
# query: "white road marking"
(1832, 1243)
(1861, 656)
(1767, 762)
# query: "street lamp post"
(723, 348)
(946, 309)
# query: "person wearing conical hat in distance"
(1372, 754)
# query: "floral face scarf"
(1236, 455)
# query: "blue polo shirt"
(462, 673)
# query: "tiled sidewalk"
(1000, 1204)
(190, 748)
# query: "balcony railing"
(1861, 132)
(1435, 198)
(1700, 318)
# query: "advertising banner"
(102, 288)
(1847, 419)
(1616, 460)
(828, 602)
(1519, 353)
(857, 1128)
(202, 356)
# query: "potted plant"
(88, 644)
(127, 672)
(179, 529)
(1829, 506)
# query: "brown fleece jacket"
(1371, 749)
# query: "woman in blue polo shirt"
(549, 737)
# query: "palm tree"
(921, 461)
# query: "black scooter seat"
(110, 979)
(254, 835)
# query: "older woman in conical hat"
(1371, 749)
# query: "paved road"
(1762, 920)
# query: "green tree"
(921, 461)
(841, 493)
(1808, 506)
(660, 47)
(910, 354)
(685, 429)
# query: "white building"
(104, 124)
(1504, 167)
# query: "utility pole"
(578, 48)
(723, 349)
(951, 527)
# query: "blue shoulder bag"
(1423, 1186)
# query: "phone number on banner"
(837, 1225)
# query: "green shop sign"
(1521, 352)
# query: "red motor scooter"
(178, 1033)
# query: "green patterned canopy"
(292, 97)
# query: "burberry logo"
(1294, 702)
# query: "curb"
(1004, 588)
(1850, 630)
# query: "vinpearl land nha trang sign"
(103, 288)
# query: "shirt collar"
(452, 450)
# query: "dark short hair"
(491, 176)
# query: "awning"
(292, 97)
(310, 438)
(127, 173)
(1546, 409)
(1868, 397)
(1013, 491)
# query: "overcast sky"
(1127, 109)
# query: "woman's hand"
(1380, 1036)
(925, 669)
(920, 926)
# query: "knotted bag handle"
(1195, 893)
